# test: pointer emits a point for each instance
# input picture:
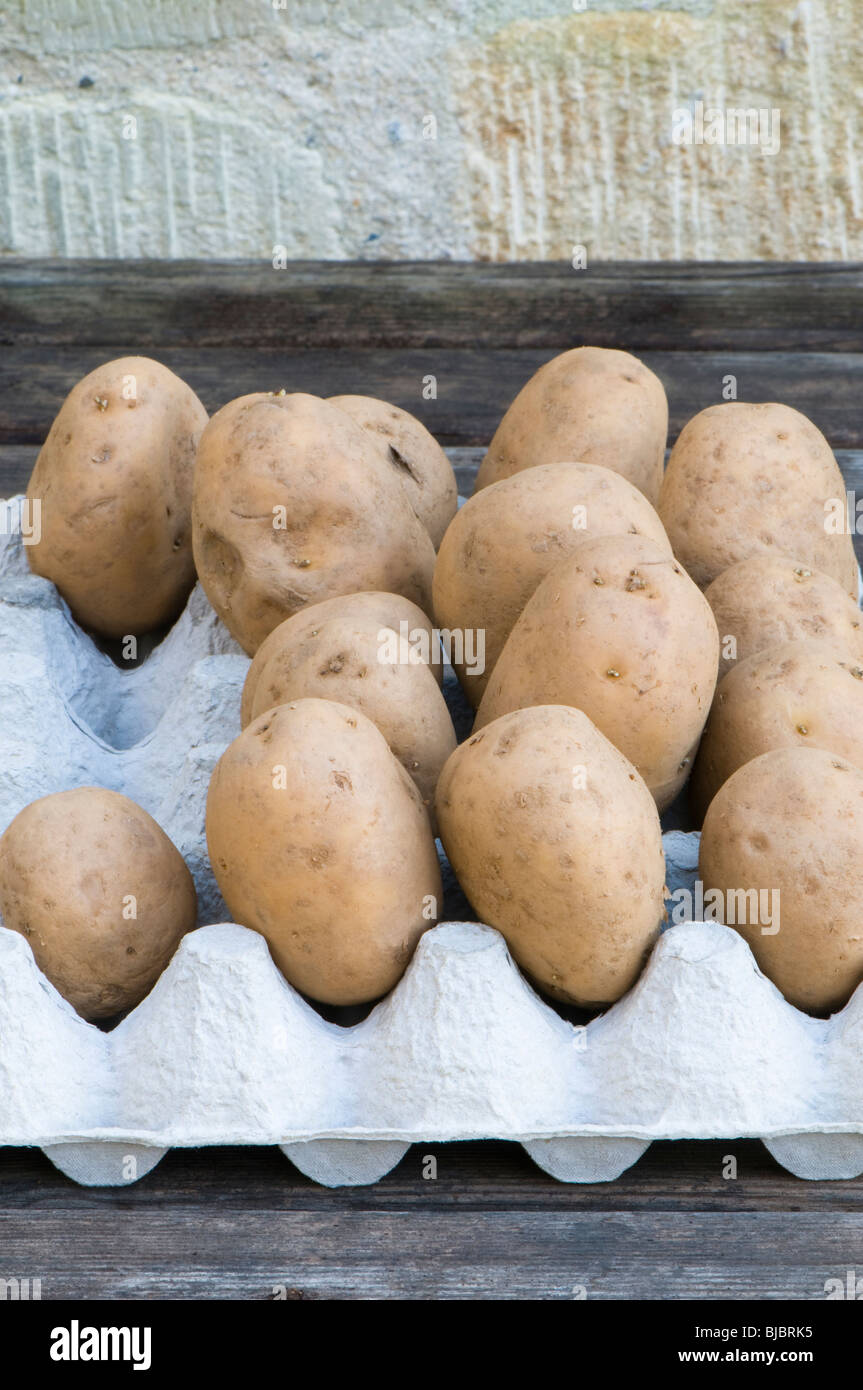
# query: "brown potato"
(114, 478)
(508, 537)
(334, 651)
(592, 405)
(619, 631)
(781, 849)
(747, 480)
(795, 694)
(100, 893)
(556, 841)
(294, 503)
(769, 599)
(417, 459)
(319, 841)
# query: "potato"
(768, 599)
(114, 479)
(419, 462)
(556, 841)
(747, 480)
(508, 537)
(795, 694)
(294, 502)
(619, 631)
(781, 848)
(100, 893)
(320, 842)
(591, 405)
(336, 650)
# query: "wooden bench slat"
(233, 1223)
(474, 387)
(735, 307)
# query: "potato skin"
(594, 405)
(415, 456)
(792, 821)
(752, 479)
(67, 865)
(556, 841)
(769, 599)
(115, 481)
(619, 631)
(330, 651)
(797, 694)
(507, 538)
(348, 524)
(336, 867)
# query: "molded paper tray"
(224, 1051)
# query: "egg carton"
(224, 1051)
(69, 717)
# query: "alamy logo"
(421, 646)
(736, 907)
(27, 523)
(77, 1343)
(19, 1290)
(727, 125)
(850, 1287)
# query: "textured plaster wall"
(501, 129)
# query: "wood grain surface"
(349, 306)
(474, 387)
(243, 1223)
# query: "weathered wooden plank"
(731, 307)
(236, 1223)
(474, 387)
(682, 1176)
(16, 463)
(187, 1253)
(233, 1223)
(472, 390)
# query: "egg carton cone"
(69, 717)
(224, 1051)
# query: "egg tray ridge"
(224, 1051)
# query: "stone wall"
(497, 130)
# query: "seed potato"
(769, 599)
(619, 631)
(791, 822)
(100, 893)
(508, 537)
(417, 459)
(795, 694)
(294, 502)
(555, 839)
(335, 651)
(747, 480)
(596, 405)
(319, 840)
(114, 479)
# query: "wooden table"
(239, 1223)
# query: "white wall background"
(303, 127)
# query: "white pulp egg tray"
(224, 1051)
